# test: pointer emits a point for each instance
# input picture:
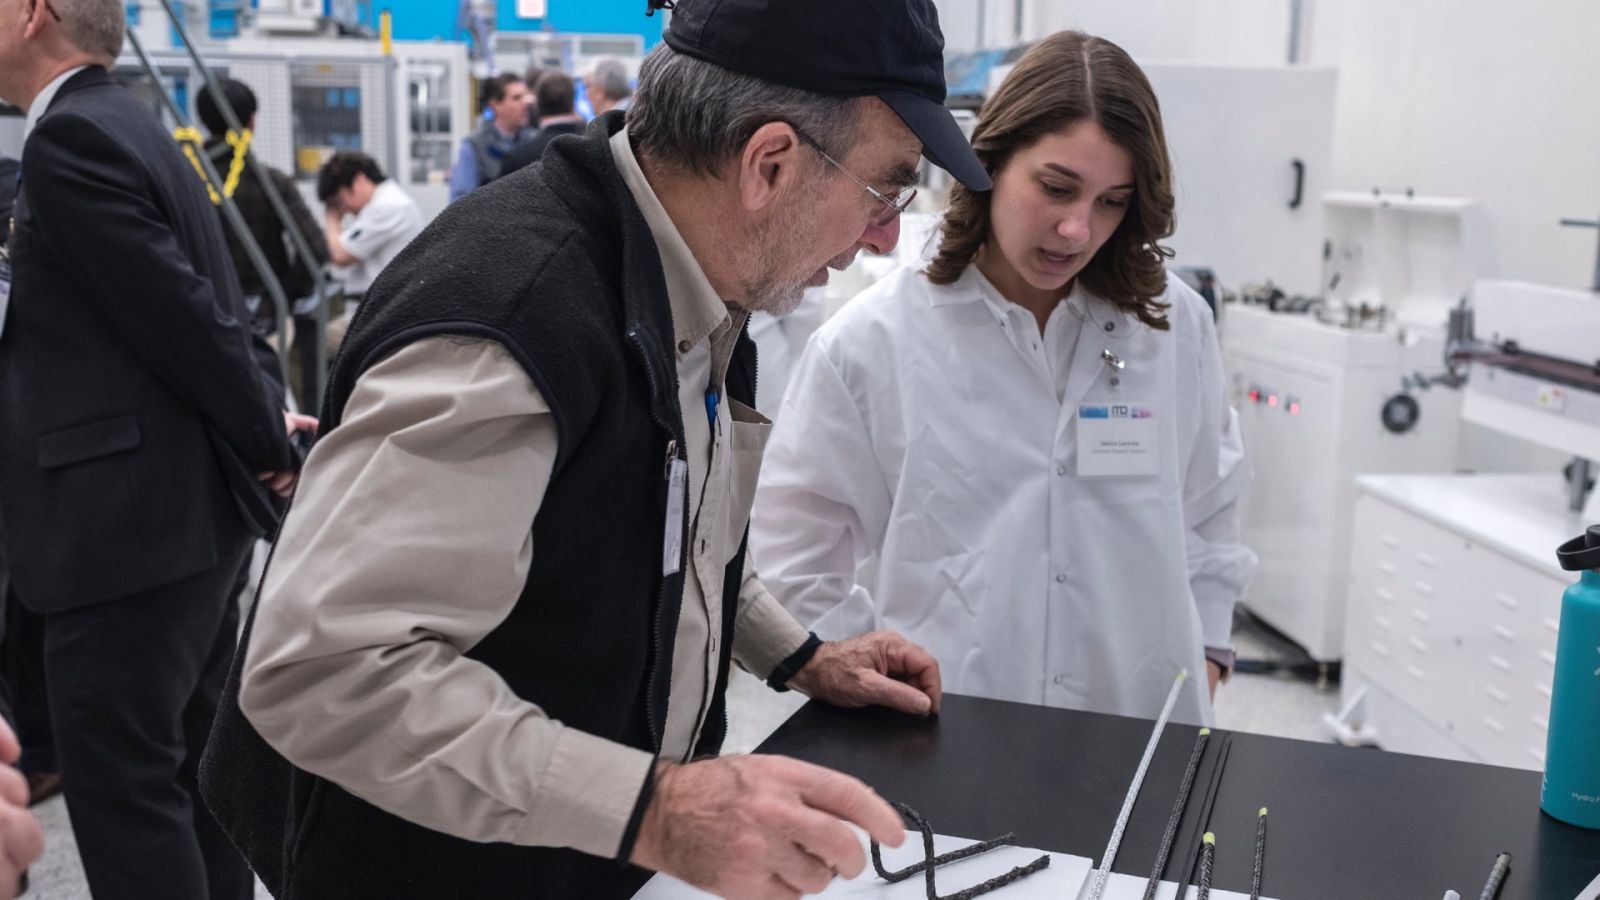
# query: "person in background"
(606, 85)
(1032, 435)
(367, 221)
(297, 276)
(144, 435)
(532, 77)
(509, 104)
(556, 93)
(491, 653)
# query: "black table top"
(1343, 824)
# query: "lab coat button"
(1060, 680)
(1061, 469)
(1111, 326)
(685, 346)
(1061, 577)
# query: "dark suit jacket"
(531, 150)
(132, 393)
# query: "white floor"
(1278, 705)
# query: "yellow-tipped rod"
(1261, 854)
(1178, 806)
(1208, 854)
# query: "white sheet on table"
(1065, 877)
(1131, 887)
(1058, 880)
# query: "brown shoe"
(42, 786)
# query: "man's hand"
(21, 838)
(282, 483)
(760, 826)
(293, 422)
(1213, 676)
(877, 669)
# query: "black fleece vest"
(557, 264)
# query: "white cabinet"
(1452, 636)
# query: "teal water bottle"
(1572, 758)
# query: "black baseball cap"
(889, 49)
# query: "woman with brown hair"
(1031, 436)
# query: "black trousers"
(22, 665)
(133, 688)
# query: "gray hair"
(612, 76)
(94, 26)
(696, 115)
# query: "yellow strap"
(190, 138)
(241, 147)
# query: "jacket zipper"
(666, 475)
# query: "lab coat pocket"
(749, 431)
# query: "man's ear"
(33, 27)
(768, 165)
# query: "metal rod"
(230, 211)
(302, 247)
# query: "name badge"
(1118, 439)
(672, 537)
(5, 290)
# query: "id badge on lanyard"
(5, 286)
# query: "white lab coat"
(915, 432)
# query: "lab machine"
(1315, 381)
(1455, 589)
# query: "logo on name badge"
(1115, 411)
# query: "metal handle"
(1299, 182)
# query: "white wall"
(1476, 98)
(1234, 31)
(962, 20)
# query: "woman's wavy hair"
(1067, 78)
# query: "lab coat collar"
(1105, 326)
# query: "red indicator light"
(1294, 409)
(1272, 400)
(1255, 396)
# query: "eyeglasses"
(895, 205)
(50, 9)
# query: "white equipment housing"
(409, 111)
(1455, 589)
(1309, 389)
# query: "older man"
(606, 85)
(138, 412)
(494, 640)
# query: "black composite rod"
(1261, 854)
(1177, 814)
